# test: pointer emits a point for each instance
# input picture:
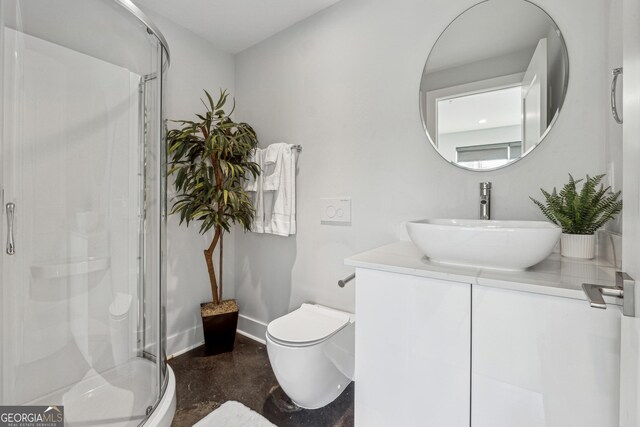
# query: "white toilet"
(312, 353)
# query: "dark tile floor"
(203, 383)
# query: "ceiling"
(234, 25)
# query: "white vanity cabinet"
(543, 361)
(413, 361)
(445, 346)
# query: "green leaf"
(581, 211)
(210, 101)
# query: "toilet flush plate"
(335, 210)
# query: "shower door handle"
(614, 88)
(11, 247)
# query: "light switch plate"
(335, 210)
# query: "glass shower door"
(81, 163)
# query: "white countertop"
(555, 276)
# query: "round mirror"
(493, 84)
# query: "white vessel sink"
(505, 245)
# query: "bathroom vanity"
(441, 345)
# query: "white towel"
(254, 186)
(280, 212)
(252, 183)
(273, 167)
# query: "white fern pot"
(578, 245)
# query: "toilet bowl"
(312, 351)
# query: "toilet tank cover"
(307, 324)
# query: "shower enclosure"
(82, 174)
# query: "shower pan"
(83, 181)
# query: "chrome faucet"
(485, 200)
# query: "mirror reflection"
(493, 84)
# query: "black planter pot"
(219, 331)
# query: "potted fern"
(580, 213)
(211, 159)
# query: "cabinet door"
(412, 351)
(540, 361)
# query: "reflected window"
(481, 128)
(488, 155)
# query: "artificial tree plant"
(211, 159)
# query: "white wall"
(195, 65)
(490, 68)
(344, 84)
(613, 142)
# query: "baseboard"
(251, 337)
(182, 342)
(184, 350)
(252, 328)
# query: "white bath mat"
(234, 414)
